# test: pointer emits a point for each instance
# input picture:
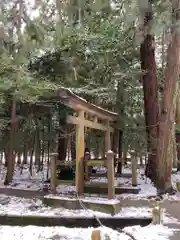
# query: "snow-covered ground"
(147, 189)
(20, 206)
(150, 232)
(36, 182)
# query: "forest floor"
(134, 205)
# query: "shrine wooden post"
(96, 118)
(80, 153)
(108, 137)
(110, 174)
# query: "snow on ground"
(36, 182)
(147, 189)
(24, 180)
(150, 232)
(21, 206)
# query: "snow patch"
(92, 200)
(150, 232)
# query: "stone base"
(108, 206)
(101, 205)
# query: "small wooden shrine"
(85, 115)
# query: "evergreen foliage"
(89, 48)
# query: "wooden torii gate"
(90, 116)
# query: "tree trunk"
(42, 149)
(150, 89)
(178, 129)
(120, 162)
(10, 160)
(37, 148)
(31, 155)
(120, 110)
(25, 153)
(174, 150)
(49, 143)
(125, 153)
(62, 148)
(178, 150)
(11, 157)
(167, 119)
(19, 158)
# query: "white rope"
(98, 220)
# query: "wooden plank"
(80, 154)
(87, 123)
(96, 163)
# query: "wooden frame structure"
(85, 115)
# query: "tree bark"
(120, 150)
(19, 158)
(174, 150)
(11, 158)
(25, 153)
(120, 104)
(37, 147)
(62, 148)
(178, 150)
(178, 130)
(150, 89)
(31, 154)
(167, 118)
